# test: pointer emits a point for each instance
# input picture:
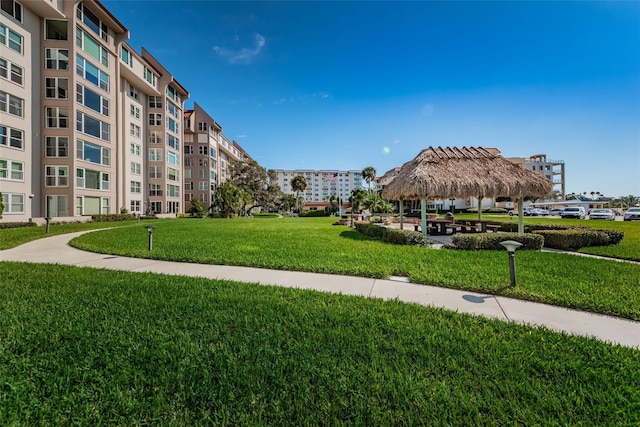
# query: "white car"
(632, 214)
(573, 212)
(602, 214)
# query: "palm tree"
(369, 174)
(357, 196)
(298, 184)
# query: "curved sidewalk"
(56, 250)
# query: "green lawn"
(96, 347)
(313, 244)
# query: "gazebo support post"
(423, 214)
(520, 215)
(401, 214)
(480, 207)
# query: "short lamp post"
(511, 246)
(150, 230)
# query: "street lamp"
(511, 246)
(150, 230)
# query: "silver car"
(632, 214)
(602, 214)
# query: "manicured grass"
(95, 347)
(312, 244)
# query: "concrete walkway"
(56, 250)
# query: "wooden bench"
(455, 228)
(493, 228)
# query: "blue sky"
(345, 85)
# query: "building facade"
(322, 184)
(553, 170)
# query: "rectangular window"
(93, 180)
(172, 174)
(173, 190)
(92, 47)
(173, 110)
(126, 56)
(187, 173)
(155, 102)
(172, 125)
(10, 137)
(13, 203)
(155, 119)
(202, 150)
(188, 161)
(57, 59)
(92, 21)
(11, 170)
(56, 30)
(56, 176)
(173, 158)
(92, 99)
(91, 126)
(188, 149)
(11, 104)
(212, 153)
(155, 172)
(202, 126)
(92, 73)
(93, 153)
(11, 39)
(173, 94)
(156, 207)
(136, 187)
(135, 206)
(155, 154)
(134, 149)
(135, 112)
(149, 76)
(155, 189)
(202, 174)
(173, 142)
(203, 185)
(56, 117)
(154, 137)
(56, 146)
(13, 8)
(12, 72)
(56, 87)
(133, 92)
(134, 130)
(135, 168)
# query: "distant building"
(553, 170)
(322, 184)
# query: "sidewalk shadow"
(476, 299)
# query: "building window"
(13, 8)
(56, 30)
(134, 149)
(173, 94)
(11, 170)
(105, 205)
(135, 111)
(56, 117)
(155, 119)
(136, 186)
(12, 72)
(57, 59)
(173, 158)
(173, 142)
(155, 102)
(135, 168)
(126, 56)
(93, 22)
(93, 180)
(155, 172)
(172, 174)
(11, 104)
(90, 126)
(187, 173)
(156, 207)
(57, 88)
(91, 99)
(56, 176)
(202, 150)
(57, 146)
(155, 189)
(92, 73)
(188, 149)
(203, 185)
(11, 39)
(92, 47)
(13, 203)
(154, 137)
(135, 206)
(149, 76)
(93, 153)
(173, 110)
(133, 92)
(155, 154)
(212, 153)
(188, 161)
(173, 125)
(202, 126)
(173, 191)
(134, 130)
(10, 137)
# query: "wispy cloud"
(302, 98)
(244, 55)
(241, 136)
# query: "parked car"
(632, 214)
(573, 212)
(602, 214)
(531, 212)
(556, 211)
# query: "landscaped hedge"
(112, 217)
(370, 230)
(4, 225)
(574, 239)
(392, 235)
(491, 241)
(512, 227)
(310, 214)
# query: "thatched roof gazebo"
(453, 172)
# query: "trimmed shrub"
(311, 214)
(405, 237)
(370, 230)
(4, 225)
(573, 239)
(491, 241)
(112, 217)
(615, 236)
(512, 227)
(266, 215)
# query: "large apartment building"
(322, 184)
(553, 170)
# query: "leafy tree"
(260, 183)
(369, 174)
(376, 204)
(229, 199)
(288, 202)
(356, 198)
(333, 205)
(298, 184)
(196, 208)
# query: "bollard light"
(150, 230)
(511, 246)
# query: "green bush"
(370, 230)
(405, 237)
(311, 214)
(4, 225)
(266, 215)
(573, 239)
(512, 227)
(491, 241)
(112, 217)
(615, 236)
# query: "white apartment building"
(321, 184)
(553, 170)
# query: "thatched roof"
(464, 172)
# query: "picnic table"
(477, 226)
